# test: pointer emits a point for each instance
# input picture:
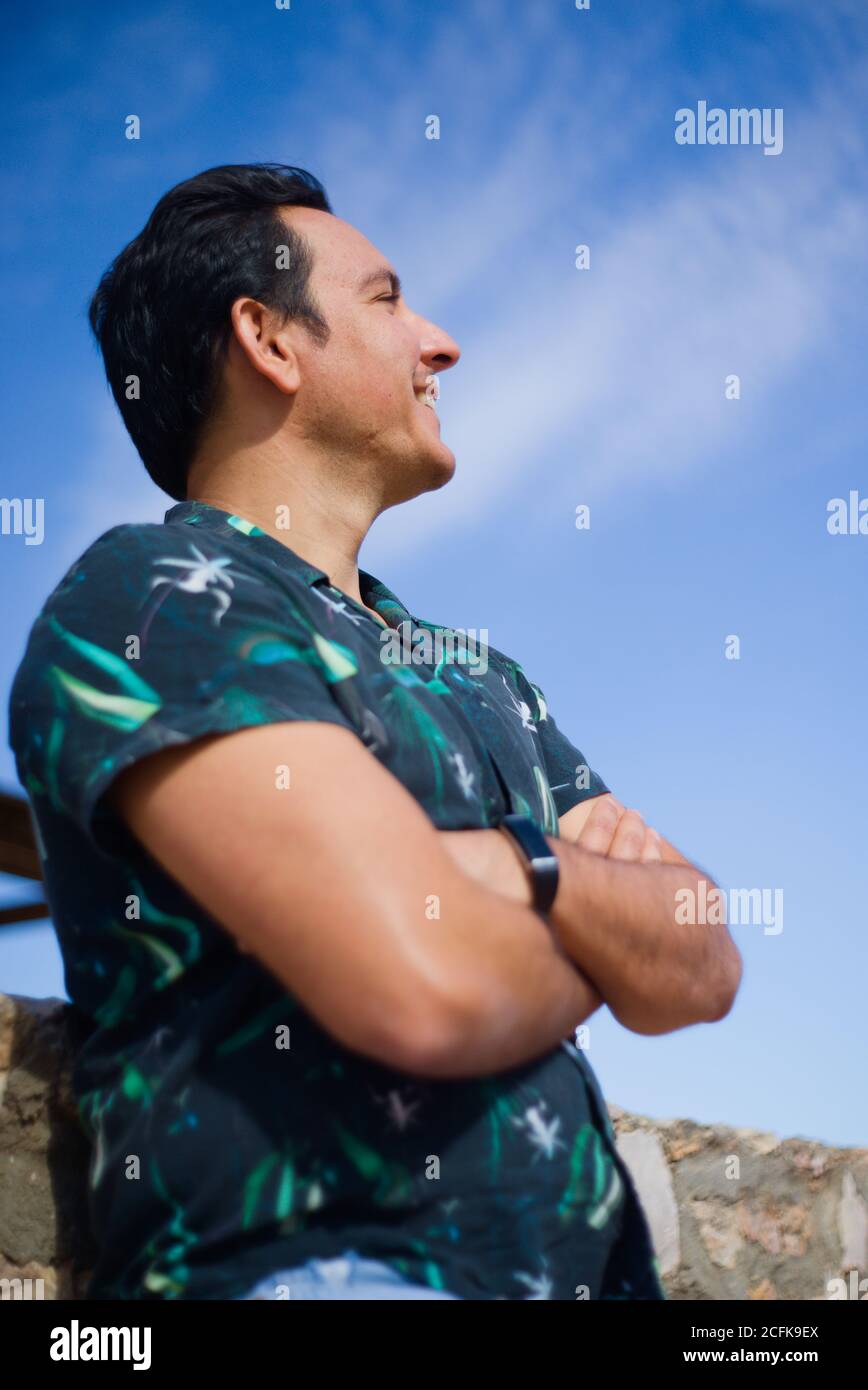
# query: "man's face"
(364, 393)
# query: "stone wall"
(741, 1214)
(736, 1214)
(43, 1151)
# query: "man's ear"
(266, 343)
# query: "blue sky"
(603, 387)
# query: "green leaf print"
(113, 665)
(120, 711)
(502, 1108)
(266, 648)
(590, 1188)
(549, 810)
(253, 1187)
(283, 1205)
(262, 1023)
(574, 1192)
(601, 1213)
(394, 1183)
(176, 1279)
(247, 528)
(338, 660)
(127, 711)
(135, 1085)
(169, 959)
(541, 702)
(114, 1008)
(239, 707)
(284, 1197)
(418, 729)
(153, 914)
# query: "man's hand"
(611, 830)
(602, 825)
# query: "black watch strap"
(543, 865)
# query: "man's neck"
(327, 538)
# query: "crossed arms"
(413, 946)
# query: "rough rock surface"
(735, 1213)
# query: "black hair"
(161, 311)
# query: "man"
(329, 984)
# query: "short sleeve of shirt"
(153, 640)
(570, 777)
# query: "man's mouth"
(429, 394)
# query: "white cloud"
(741, 263)
(730, 262)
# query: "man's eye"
(390, 298)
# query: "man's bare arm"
(653, 969)
(342, 889)
(656, 974)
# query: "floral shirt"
(232, 1136)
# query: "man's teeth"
(429, 393)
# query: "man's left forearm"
(655, 973)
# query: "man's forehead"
(342, 254)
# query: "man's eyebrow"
(382, 272)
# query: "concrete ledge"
(735, 1213)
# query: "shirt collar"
(231, 526)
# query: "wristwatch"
(534, 848)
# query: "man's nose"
(440, 352)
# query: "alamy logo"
(76, 1343)
(746, 907)
(739, 125)
(407, 645)
(23, 516)
(22, 1289)
(847, 519)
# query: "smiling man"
(330, 922)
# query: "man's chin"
(426, 471)
(441, 467)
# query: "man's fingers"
(652, 852)
(628, 841)
(620, 834)
(598, 829)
